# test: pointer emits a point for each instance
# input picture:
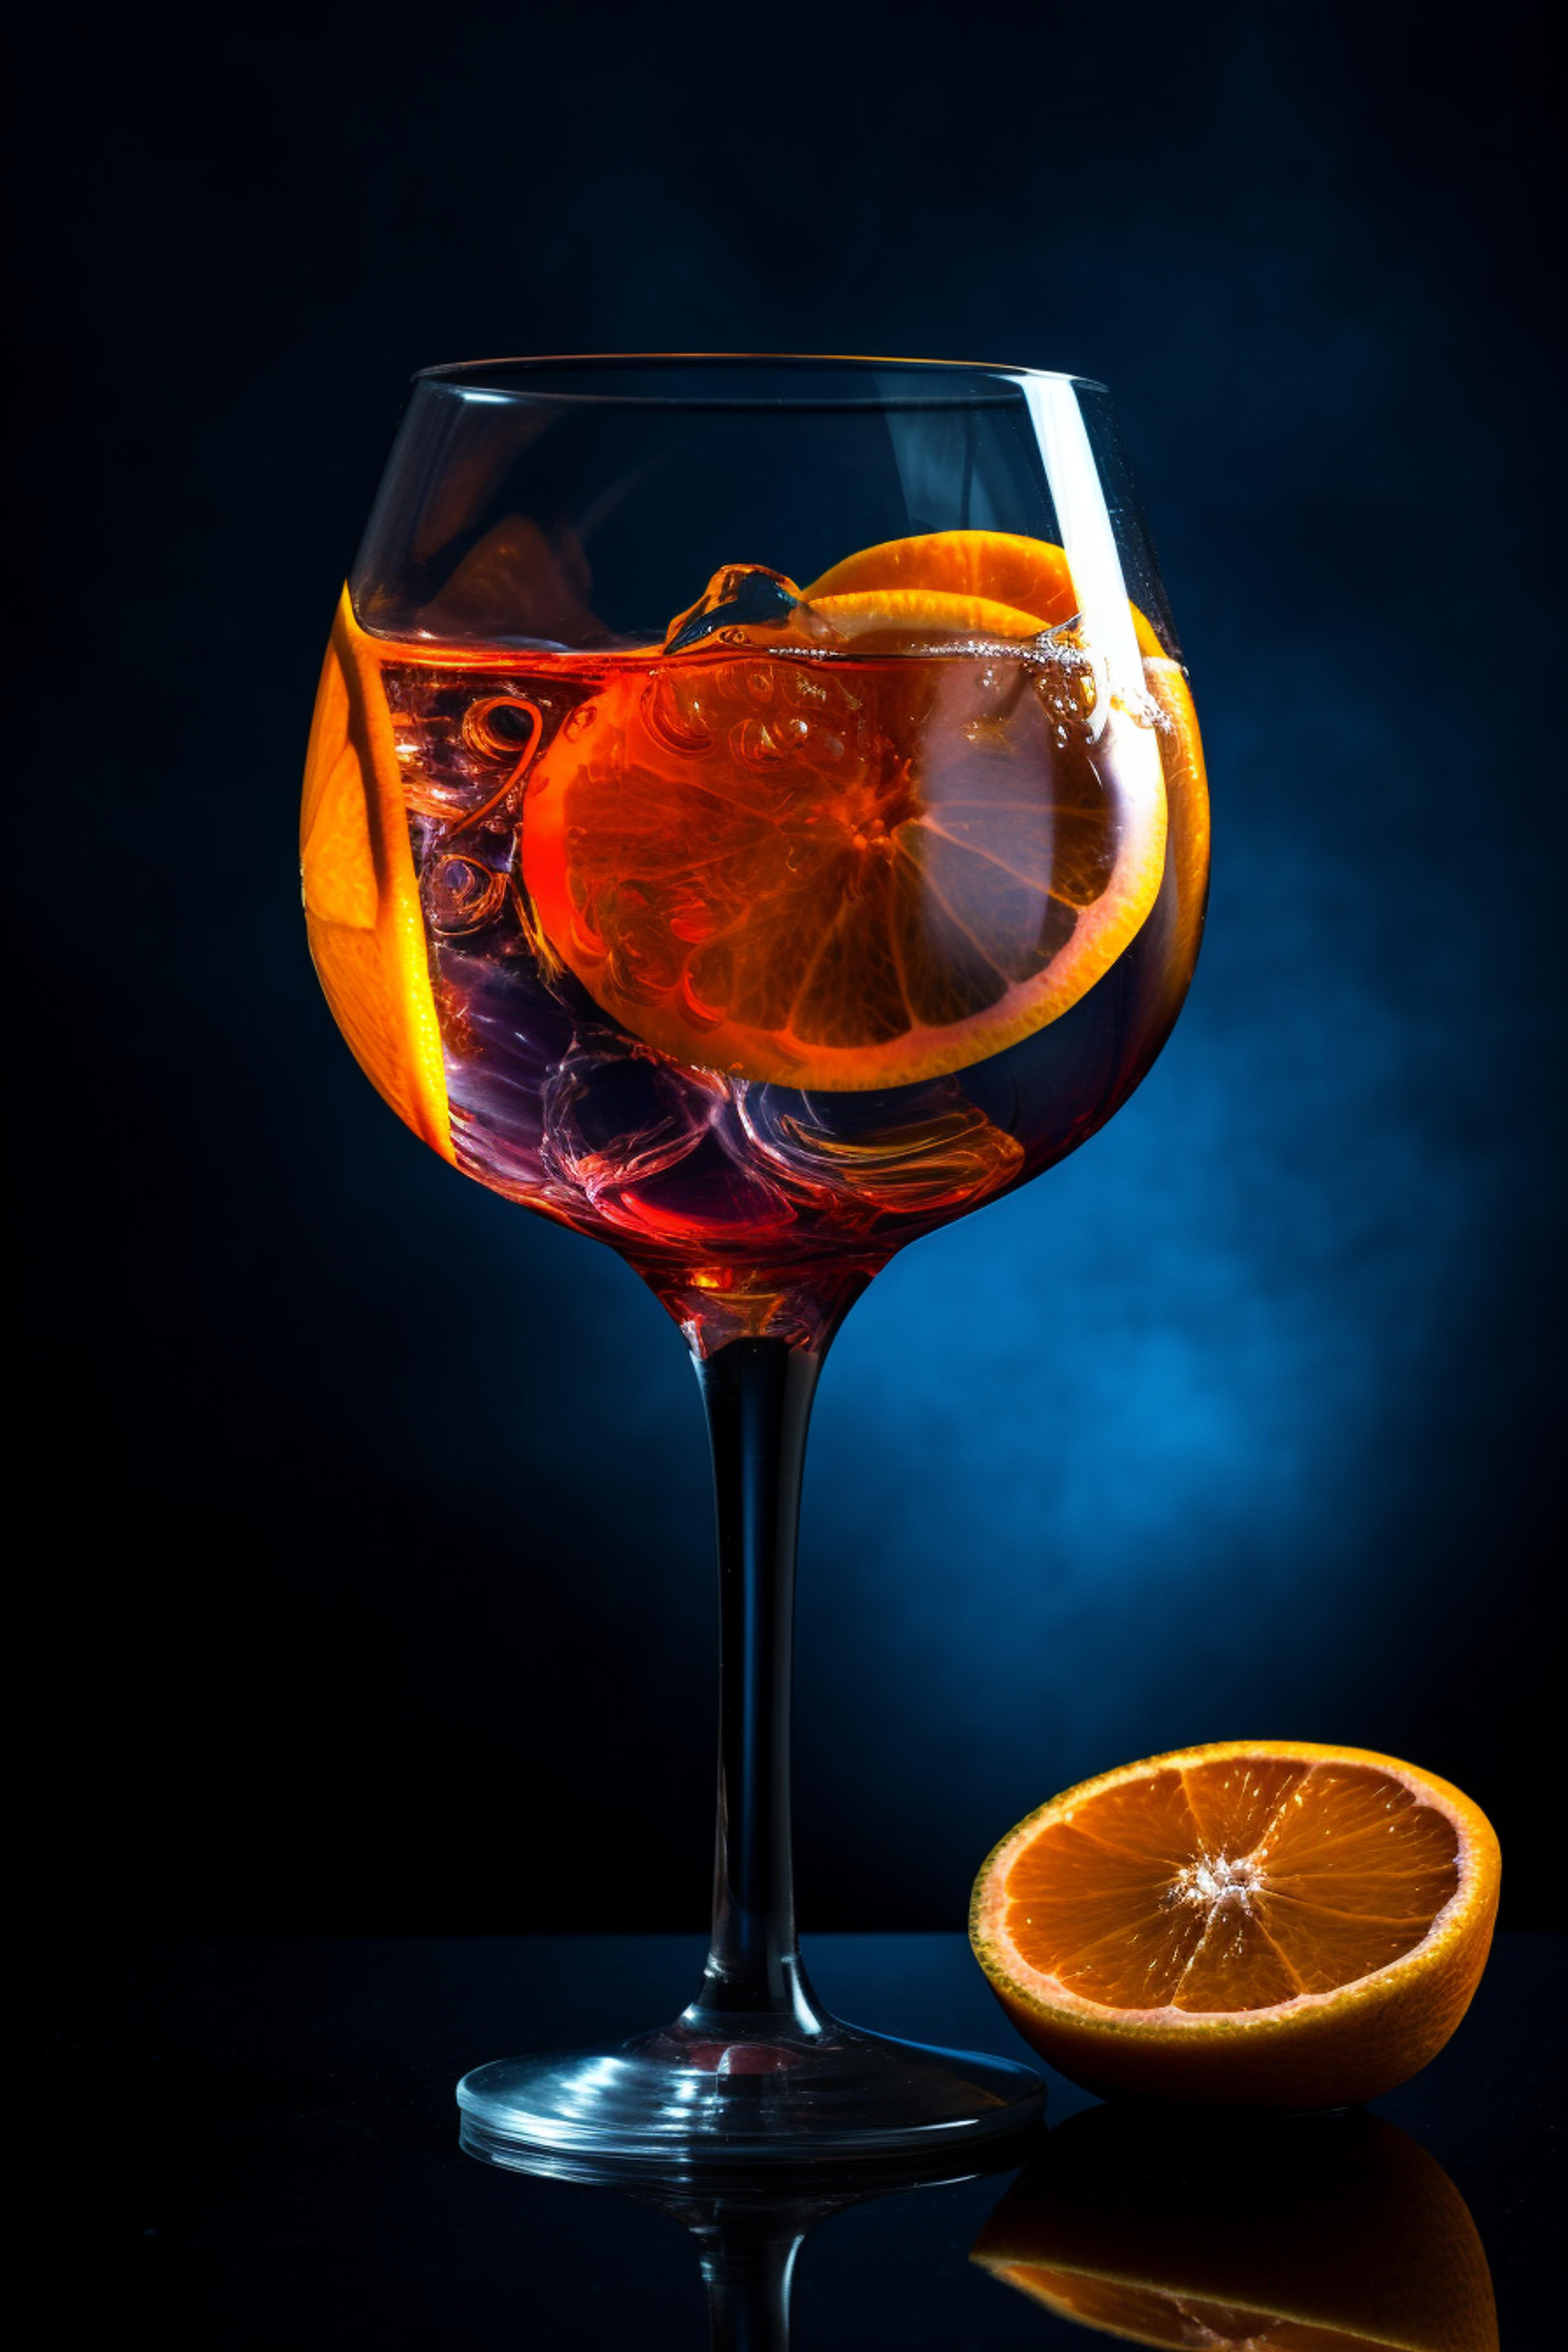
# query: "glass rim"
(992, 383)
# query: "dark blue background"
(376, 1558)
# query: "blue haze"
(394, 1514)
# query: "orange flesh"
(760, 847)
(1231, 1885)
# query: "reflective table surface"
(254, 2142)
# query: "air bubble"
(461, 895)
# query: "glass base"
(740, 2093)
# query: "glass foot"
(739, 2093)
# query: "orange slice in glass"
(1030, 575)
(362, 898)
(1257, 1923)
(850, 873)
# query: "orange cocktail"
(747, 951)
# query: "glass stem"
(758, 1396)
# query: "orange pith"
(361, 897)
(861, 872)
(1272, 1923)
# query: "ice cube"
(615, 1114)
(740, 596)
(934, 1154)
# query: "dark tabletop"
(254, 2143)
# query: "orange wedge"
(1257, 1923)
(1329, 2234)
(844, 878)
(362, 899)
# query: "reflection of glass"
(747, 2239)
(755, 941)
(1310, 2234)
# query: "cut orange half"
(362, 898)
(1258, 1923)
(858, 872)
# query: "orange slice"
(1029, 575)
(1257, 1923)
(1033, 578)
(362, 898)
(1328, 2234)
(842, 874)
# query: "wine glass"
(755, 814)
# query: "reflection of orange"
(362, 898)
(1265, 1923)
(842, 877)
(1335, 2234)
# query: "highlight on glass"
(754, 815)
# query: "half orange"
(1256, 1923)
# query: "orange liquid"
(748, 1203)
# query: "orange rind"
(362, 914)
